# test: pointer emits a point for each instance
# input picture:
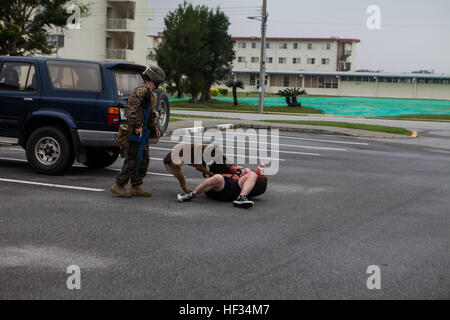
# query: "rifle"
(144, 139)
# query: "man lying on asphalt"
(228, 187)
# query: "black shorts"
(230, 191)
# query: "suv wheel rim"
(162, 113)
(47, 151)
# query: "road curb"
(324, 131)
(303, 129)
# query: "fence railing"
(116, 24)
(120, 54)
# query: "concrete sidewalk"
(212, 123)
(441, 129)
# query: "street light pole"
(262, 62)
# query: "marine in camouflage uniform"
(141, 98)
(134, 112)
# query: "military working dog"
(200, 164)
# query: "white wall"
(303, 53)
(364, 89)
(89, 42)
(433, 91)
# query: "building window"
(326, 46)
(256, 45)
(255, 60)
(445, 81)
(269, 60)
(311, 61)
(296, 45)
(56, 40)
(283, 45)
(311, 46)
(242, 45)
(258, 82)
(325, 61)
(241, 59)
(296, 60)
(328, 82)
(286, 81)
(282, 60)
(269, 45)
(252, 79)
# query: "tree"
(185, 47)
(291, 96)
(25, 25)
(196, 44)
(221, 46)
(167, 63)
(235, 84)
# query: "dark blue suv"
(60, 110)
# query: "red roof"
(285, 39)
(299, 39)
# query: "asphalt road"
(337, 206)
(429, 128)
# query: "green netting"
(356, 106)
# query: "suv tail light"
(113, 116)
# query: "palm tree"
(291, 96)
(235, 84)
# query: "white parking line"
(82, 166)
(280, 151)
(278, 144)
(310, 139)
(23, 151)
(51, 185)
(148, 172)
(229, 155)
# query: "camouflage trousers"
(129, 166)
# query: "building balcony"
(116, 54)
(117, 24)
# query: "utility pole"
(262, 61)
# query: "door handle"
(28, 99)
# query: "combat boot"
(120, 191)
(136, 191)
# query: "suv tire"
(49, 150)
(163, 107)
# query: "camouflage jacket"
(135, 107)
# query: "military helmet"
(154, 73)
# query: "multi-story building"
(297, 54)
(322, 66)
(112, 30)
(326, 66)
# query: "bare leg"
(247, 182)
(216, 183)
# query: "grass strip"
(348, 125)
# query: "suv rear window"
(76, 76)
(127, 81)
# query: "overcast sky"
(414, 34)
